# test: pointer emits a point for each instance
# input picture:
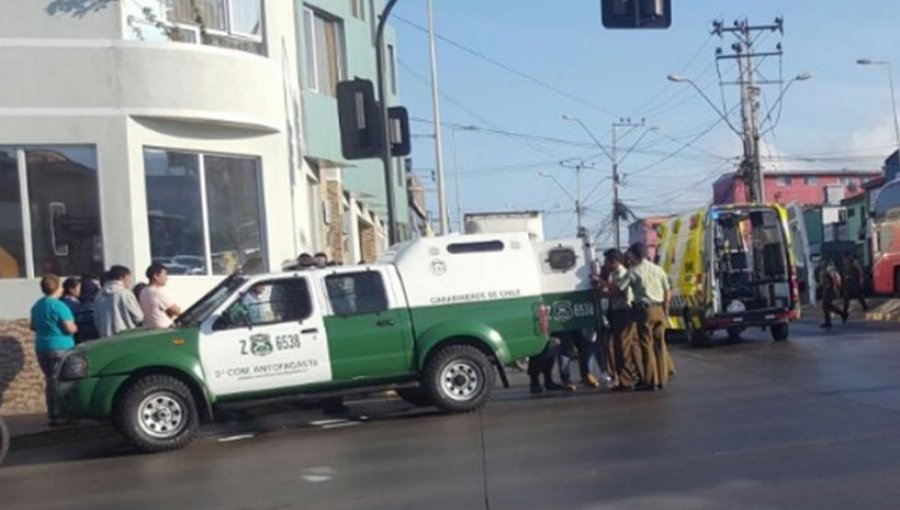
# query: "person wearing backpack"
(830, 281)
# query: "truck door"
(367, 336)
(800, 250)
(270, 336)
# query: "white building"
(128, 135)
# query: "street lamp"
(805, 75)
(887, 63)
(679, 78)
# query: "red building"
(806, 187)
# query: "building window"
(204, 212)
(811, 180)
(323, 36)
(235, 24)
(783, 181)
(359, 9)
(57, 229)
(392, 62)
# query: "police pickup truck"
(436, 319)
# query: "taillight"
(795, 287)
(544, 319)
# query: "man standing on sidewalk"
(116, 309)
(652, 293)
(159, 309)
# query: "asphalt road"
(810, 423)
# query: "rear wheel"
(416, 396)
(157, 413)
(459, 378)
(4, 440)
(781, 332)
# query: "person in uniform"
(652, 293)
(853, 284)
(623, 356)
(830, 284)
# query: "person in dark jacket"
(853, 284)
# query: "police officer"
(624, 351)
(652, 293)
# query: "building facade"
(645, 230)
(198, 134)
(808, 188)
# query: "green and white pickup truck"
(436, 319)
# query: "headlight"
(75, 366)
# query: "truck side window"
(561, 259)
(356, 293)
(269, 302)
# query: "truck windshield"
(200, 310)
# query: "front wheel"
(459, 378)
(157, 413)
(734, 333)
(781, 332)
(4, 440)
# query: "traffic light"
(399, 130)
(359, 117)
(636, 13)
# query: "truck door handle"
(308, 331)
(385, 323)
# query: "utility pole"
(438, 146)
(744, 54)
(617, 209)
(578, 166)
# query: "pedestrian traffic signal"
(359, 119)
(636, 13)
(399, 130)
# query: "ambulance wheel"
(734, 333)
(416, 396)
(781, 332)
(157, 413)
(459, 378)
(4, 440)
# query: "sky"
(512, 68)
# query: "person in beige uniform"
(652, 293)
(624, 355)
(159, 309)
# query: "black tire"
(459, 379)
(781, 332)
(734, 333)
(416, 396)
(4, 440)
(157, 413)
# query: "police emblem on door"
(261, 345)
(562, 311)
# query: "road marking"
(341, 425)
(318, 474)
(239, 437)
(319, 423)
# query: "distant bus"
(886, 240)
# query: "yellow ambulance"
(731, 267)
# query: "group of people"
(630, 347)
(833, 284)
(83, 309)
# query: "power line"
(506, 67)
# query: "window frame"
(382, 285)
(204, 203)
(229, 30)
(238, 297)
(569, 251)
(470, 247)
(310, 15)
(25, 203)
(783, 181)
